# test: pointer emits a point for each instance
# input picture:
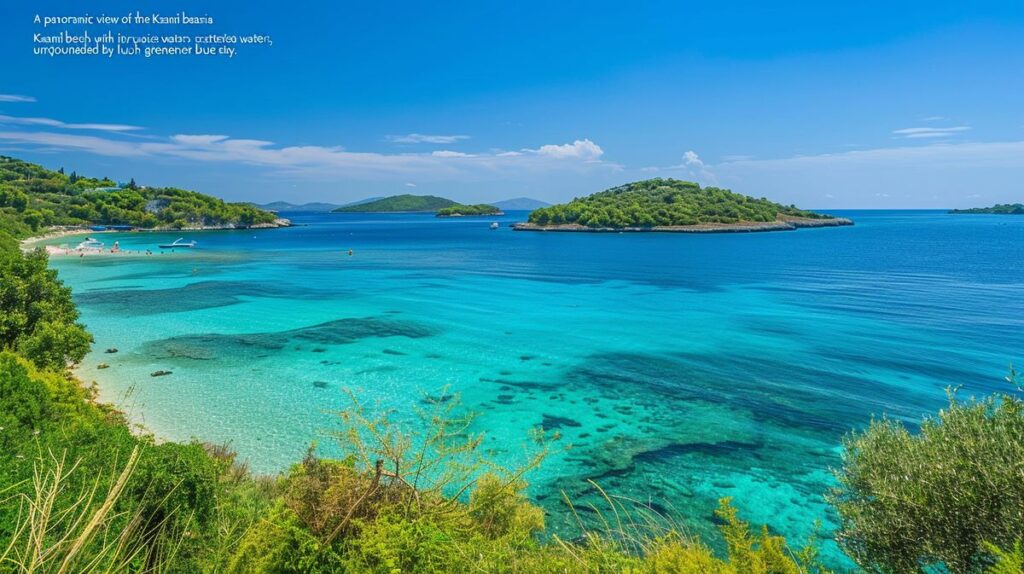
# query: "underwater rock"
(102, 366)
(111, 350)
(553, 422)
(320, 384)
(393, 352)
(159, 373)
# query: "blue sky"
(823, 104)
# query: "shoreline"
(789, 224)
(57, 232)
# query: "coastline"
(787, 224)
(56, 232)
(495, 214)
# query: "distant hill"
(1000, 209)
(520, 204)
(399, 203)
(298, 207)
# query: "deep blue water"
(682, 368)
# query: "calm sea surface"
(681, 368)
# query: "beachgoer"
(350, 253)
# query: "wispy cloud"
(928, 132)
(426, 138)
(932, 175)
(51, 123)
(322, 161)
(974, 154)
(16, 98)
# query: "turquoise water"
(681, 368)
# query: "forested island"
(399, 203)
(460, 210)
(998, 209)
(33, 197)
(673, 205)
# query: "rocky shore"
(785, 224)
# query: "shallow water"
(681, 369)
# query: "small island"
(405, 203)
(999, 209)
(460, 210)
(672, 205)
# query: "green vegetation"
(460, 209)
(37, 316)
(665, 202)
(397, 203)
(33, 197)
(1000, 209)
(951, 495)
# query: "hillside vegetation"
(33, 197)
(461, 210)
(999, 209)
(665, 202)
(399, 203)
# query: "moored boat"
(89, 244)
(179, 242)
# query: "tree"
(37, 316)
(909, 501)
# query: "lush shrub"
(936, 497)
(38, 317)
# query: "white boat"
(179, 242)
(494, 225)
(90, 244)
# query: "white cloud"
(51, 123)
(321, 161)
(916, 133)
(75, 142)
(15, 98)
(197, 140)
(582, 149)
(410, 185)
(933, 175)
(977, 154)
(426, 138)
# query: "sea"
(670, 370)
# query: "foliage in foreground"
(664, 202)
(82, 494)
(37, 316)
(948, 495)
